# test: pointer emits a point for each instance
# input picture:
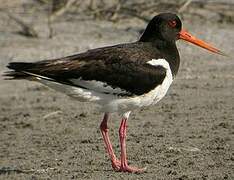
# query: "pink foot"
(116, 164)
(131, 169)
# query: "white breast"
(160, 91)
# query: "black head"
(165, 26)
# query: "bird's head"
(168, 27)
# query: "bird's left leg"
(122, 136)
(104, 130)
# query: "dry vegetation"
(114, 10)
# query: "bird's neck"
(169, 52)
(173, 58)
(150, 35)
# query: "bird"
(119, 78)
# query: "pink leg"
(122, 136)
(104, 130)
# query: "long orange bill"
(188, 37)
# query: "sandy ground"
(188, 135)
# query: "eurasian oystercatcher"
(119, 78)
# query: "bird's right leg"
(104, 130)
(122, 136)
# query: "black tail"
(18, 70)
(19, 66)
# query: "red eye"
(172, 23)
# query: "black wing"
(121, 66)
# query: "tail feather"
(18, 71)
(14, 75)
(20, 66)
(9, 75)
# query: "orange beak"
(188, 37)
